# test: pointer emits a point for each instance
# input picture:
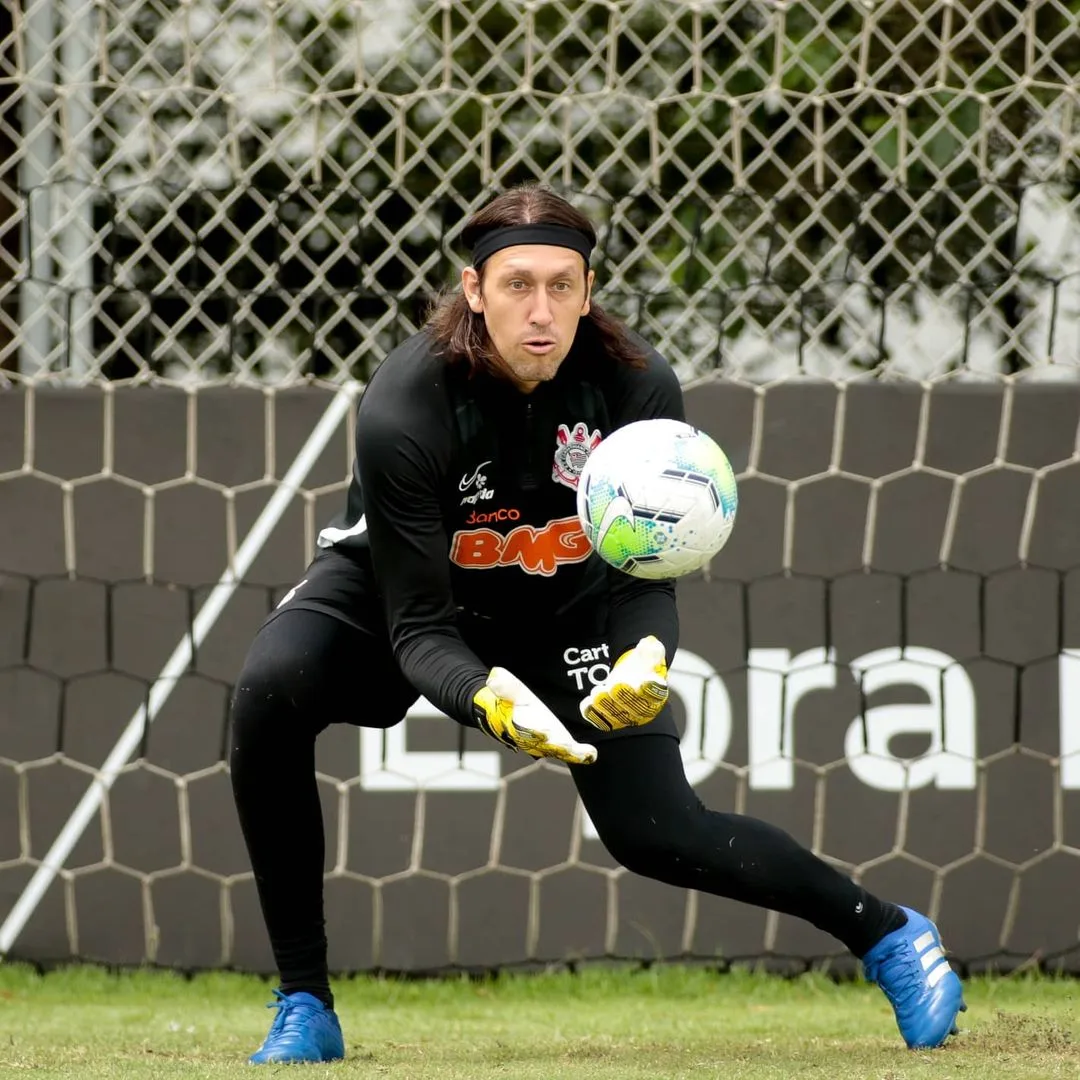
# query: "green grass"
(666, 1022)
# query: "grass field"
(667, 1022)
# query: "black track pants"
(301, 674)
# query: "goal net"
(853, 226)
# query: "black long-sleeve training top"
(463, 499)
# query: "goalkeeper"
(458, 572)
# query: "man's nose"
(541, 311)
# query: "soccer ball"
(657, 499)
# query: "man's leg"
(651, 820)
(299, 676)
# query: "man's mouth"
(539, 346)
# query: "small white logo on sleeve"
(292, 592)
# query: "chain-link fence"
(271, 190)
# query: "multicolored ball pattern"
(657, 499)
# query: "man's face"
(532, 297)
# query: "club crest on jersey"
(572, 450)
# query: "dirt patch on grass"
(1021, 1033)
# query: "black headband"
(511, 235)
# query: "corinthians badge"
(572, 449)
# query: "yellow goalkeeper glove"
(507, 710)
(635, 690)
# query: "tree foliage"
(729, 151)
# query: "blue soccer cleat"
(303, 1030)
(910, 967)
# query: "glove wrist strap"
(485, 706)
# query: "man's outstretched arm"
(409, 547)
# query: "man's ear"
(470, 286)
(590, 277)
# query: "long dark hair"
(460, 334)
